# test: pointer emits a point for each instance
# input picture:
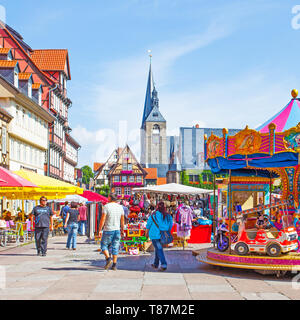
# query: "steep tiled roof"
(50, 59)
(97, 166)
(151, 173)
(4, 50)
(24, 75)
(36, 86)
(8, 63)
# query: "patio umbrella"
(72, 198)
(94, 197)
(10, 182)
(49, 186)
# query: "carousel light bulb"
(294, 93)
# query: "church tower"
(153, 132)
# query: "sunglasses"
(44, 200)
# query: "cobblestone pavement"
(79, 274)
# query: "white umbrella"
(173, 188)
(72, 198)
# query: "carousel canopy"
(251, 149)
(173, 188)
(286, 118)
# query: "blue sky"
(216, 63)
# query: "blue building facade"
(191, 146)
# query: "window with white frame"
(29, 88)
(139, 179)
(12, 149)
(4, 140)
(131, 178)
(129, 166)
(118, 191)
(16, 79)
(40, 97)
(124, 178)
(127, 191)
(116, 179)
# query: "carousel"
(256, 225)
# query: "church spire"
(148, 98)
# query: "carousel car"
(270, 241)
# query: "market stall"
(185, 203)
(95, 202)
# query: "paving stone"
(210, 288)
(80, 275)
(165, 292)
(204, 279)
(62, 296)
(245, 285)
(272, 296)
(251, 296)
(119, 285)
(21, 291)
(164, 281)
(214, 296)
(114, 296)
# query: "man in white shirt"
(112, 222)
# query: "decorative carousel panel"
(245, 142)
(215, 147)
(292, 138)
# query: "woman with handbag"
(158, 229)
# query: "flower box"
(126, 172)
(117, 184)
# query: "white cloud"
(120, 94)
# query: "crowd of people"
(159, 214)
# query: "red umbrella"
(95, 197)
(9, 179)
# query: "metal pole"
(214, 207)
(270, 192)
(230, 211)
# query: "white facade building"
(28, 130)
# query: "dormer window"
(40, 96)
(37, 92)
(30, 88)
(16, 79)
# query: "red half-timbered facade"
(46, 72)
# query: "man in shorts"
(112, 222)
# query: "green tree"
(103, 190)
(87, 173)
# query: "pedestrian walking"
(82, 219)
(112, 222)
(159, 221)
(126, 211)
(42, 215)
(71, 225)
(63, 214)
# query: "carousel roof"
(285, 119)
